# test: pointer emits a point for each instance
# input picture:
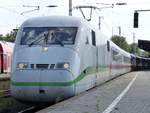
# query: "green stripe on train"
(89, 70)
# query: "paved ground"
(137, 100)
(129, 93)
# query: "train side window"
(93, 38)
(115, 55)
(108, 46)
(126, 59)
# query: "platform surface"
(129, 93)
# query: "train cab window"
(116, 56)
(48, 35)
(126, 59)
(108, 46)
(93, 38)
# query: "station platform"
(129, 93)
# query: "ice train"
(58, 57)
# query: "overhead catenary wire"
(12, 11)
(108, 27)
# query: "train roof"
(119, 49)
(47, 21)
(144, 58)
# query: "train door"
(8, 63)
(5, 63)
(108, 58)
(1, 59)
(96, 50)
(1, 63)
(95, 55)
(102, 68)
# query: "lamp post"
(112, 6)
(99, 24)
(70, 7)
(119, 28)
(134, 45)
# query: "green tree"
(137, 49)
(131, 48)
(1, 37)
(121, 42)
(9, 37)
(146, 54)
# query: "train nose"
(42, 86)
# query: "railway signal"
(136, 17)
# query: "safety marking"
(115, 102)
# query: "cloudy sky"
(118, 16)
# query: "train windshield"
(48, 35)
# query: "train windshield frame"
(48, 35)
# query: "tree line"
(131, 48)
(9, 37)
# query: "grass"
(6, 102)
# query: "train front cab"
(44, 68)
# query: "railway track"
(5, 93)
(9, 105)
(27, 110)
(33, 109)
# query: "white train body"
(59, 57)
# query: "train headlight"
(63, 65)
(66, 65)
(22, 65)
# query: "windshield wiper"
(37, 40)
(60, 42)
(45, 38)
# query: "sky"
(112, 18)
